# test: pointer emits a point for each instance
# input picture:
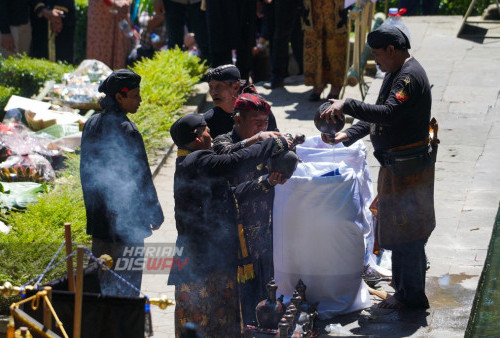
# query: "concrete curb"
(194, 104)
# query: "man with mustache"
(225, 85)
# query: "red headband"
(248, 102)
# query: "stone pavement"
(466, 103)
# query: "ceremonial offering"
(269, 311)
(333, 126)
(284, 163)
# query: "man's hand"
(336, 108)
(8, 42)
(54, 16)
(122, 7)
(157, 45)
(276, 178)
(267, 134)
(339, 137)
(261, 136)
(155, 21)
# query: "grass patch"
(29, 74)
(5, 94)
(485, 313)
(37, 233)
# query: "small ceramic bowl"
(331, 127)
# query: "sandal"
(391, 303)
(332, 96)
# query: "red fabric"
(246, 102)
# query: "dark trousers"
(286, 20)
(177, 15)
(122, 265)
(64, 42)
(409, 265)
(237, 34)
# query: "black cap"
(121, 80)
(223, 73)
(183, 131)
(386, 35)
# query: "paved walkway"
(466, 103)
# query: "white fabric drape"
(323, 227)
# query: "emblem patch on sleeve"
(402, 96)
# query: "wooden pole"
(69, 260)
(47, 315)
(77, 319)
(378, 293)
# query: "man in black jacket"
(210, 234)
(59, 18)
(120, 199)
(225, 84)
(251, 121)
(399, 120)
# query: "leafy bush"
(167, 81)
(38, 232)
(80, 44)
(5, 94)
(28, 74)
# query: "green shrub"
(167, 81)
(80, 44)
(28, 74)
(5, 94)
(459, 7)
(38, 232)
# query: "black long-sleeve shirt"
(206, 207)
(401, 113)
(13, 13)
(120, 197)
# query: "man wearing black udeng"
(120, 199)
(209, 232)
(398, 125)
(251, 121)
(225, 85)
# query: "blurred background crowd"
(266, 39)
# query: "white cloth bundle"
(322, 226)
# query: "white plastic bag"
(322, 227)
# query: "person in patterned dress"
(106, 42)
(325, 47)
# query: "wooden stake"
(77, 319)
(69, 261)
(381, 294)
(47, 315)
